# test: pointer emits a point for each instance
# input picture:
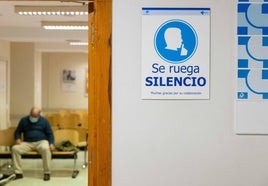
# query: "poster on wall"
(68, 80)
(175, 53)
(252, 67)
(252, 63)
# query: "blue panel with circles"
(252, 40)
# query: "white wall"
(22, 57)
(5, 56)
(4, 50)
(38, 79)
(180, 142)
(53, 96)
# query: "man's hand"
(18, 141)
(52, 147)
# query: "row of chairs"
(69, 120)
(75, 120)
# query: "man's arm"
(50, 135)
(18, 131)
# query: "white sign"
(175, 53)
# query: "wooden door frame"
(100, 94)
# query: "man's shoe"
(46, 177)
(18, 176)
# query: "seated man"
(37, 135)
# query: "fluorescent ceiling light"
(54, 25)
(78, 43)
(52, 10)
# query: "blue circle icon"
(175, 41)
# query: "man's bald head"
(35, 112)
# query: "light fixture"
(52, 10)
(56, 25)
(78, 43)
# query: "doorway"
(99, 93)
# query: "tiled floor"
(61, 174)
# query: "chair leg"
(7, 165)
(85, 158)
(75, 171)
(85, 153)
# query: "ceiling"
(16, 28)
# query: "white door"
(3, 95)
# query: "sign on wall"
(175, 53)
